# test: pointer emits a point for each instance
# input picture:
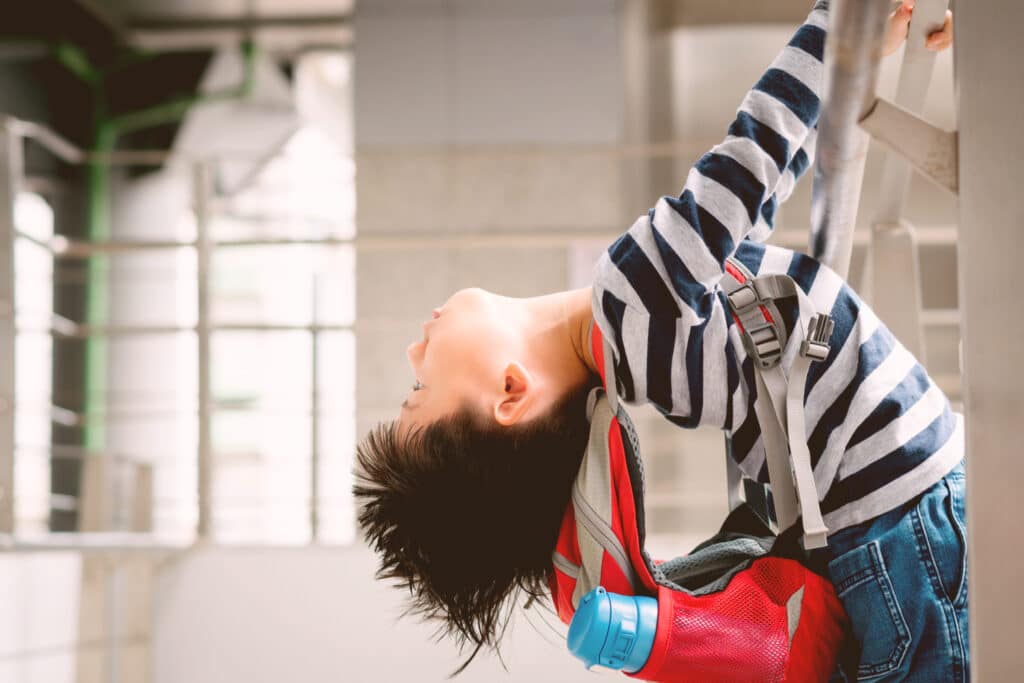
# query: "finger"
(901, 15)
(899, 26)
(943, 38)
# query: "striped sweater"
(879, 430)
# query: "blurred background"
(223, 221)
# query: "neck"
(558, 334)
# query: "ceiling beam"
(280, 34)
(184, 22)
(676, 13)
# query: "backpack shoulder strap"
(779, 404)
(594, 507)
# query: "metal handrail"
(48, 139)
(102, 542)
(63, 248)
(72, 330)
(853, 52)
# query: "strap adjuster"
(816, 342)
(765, 345)
(743, 298)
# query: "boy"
(465, 492)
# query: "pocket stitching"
(880, 574)
(961, 532)
(854, 580)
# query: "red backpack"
(737, 608)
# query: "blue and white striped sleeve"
(656, 294)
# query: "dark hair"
(465, 513)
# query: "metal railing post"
(852, 53)
(314, 422)
(314, 418)
(202, 182)
(10, 175)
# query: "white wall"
(39, 617)
(57, 625)
(316, 615)
(453, 102)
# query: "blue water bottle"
(615, 631)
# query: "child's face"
(458, 361)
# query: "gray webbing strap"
(814, 346)
(815, 531)
(780, 402)
(593, 506)
(776, 450)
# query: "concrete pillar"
(990, 97)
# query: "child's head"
(464, 494)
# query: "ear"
(516, 397)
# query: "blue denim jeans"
(902, 578)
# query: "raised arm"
(675, 256)
(655, 290)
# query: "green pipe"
(77, 62)
(108, 130)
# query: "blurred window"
(33, 301)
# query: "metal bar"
(10, 175)
(82, 331)
(276, 40)
(114, 586)
(990, 97)
(42, 243)
(853, 51)
(72, 250)
(47, 139)
(87, 543)
(676, 13)
(43, 185)
(62, 148)
(178, 22)
(926, 147)
(911, 92)
(202, 182)
(314, 421)
(75, 452)
(892, 279)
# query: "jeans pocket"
(957, 562)
(866, 591)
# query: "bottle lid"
(612, 630)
